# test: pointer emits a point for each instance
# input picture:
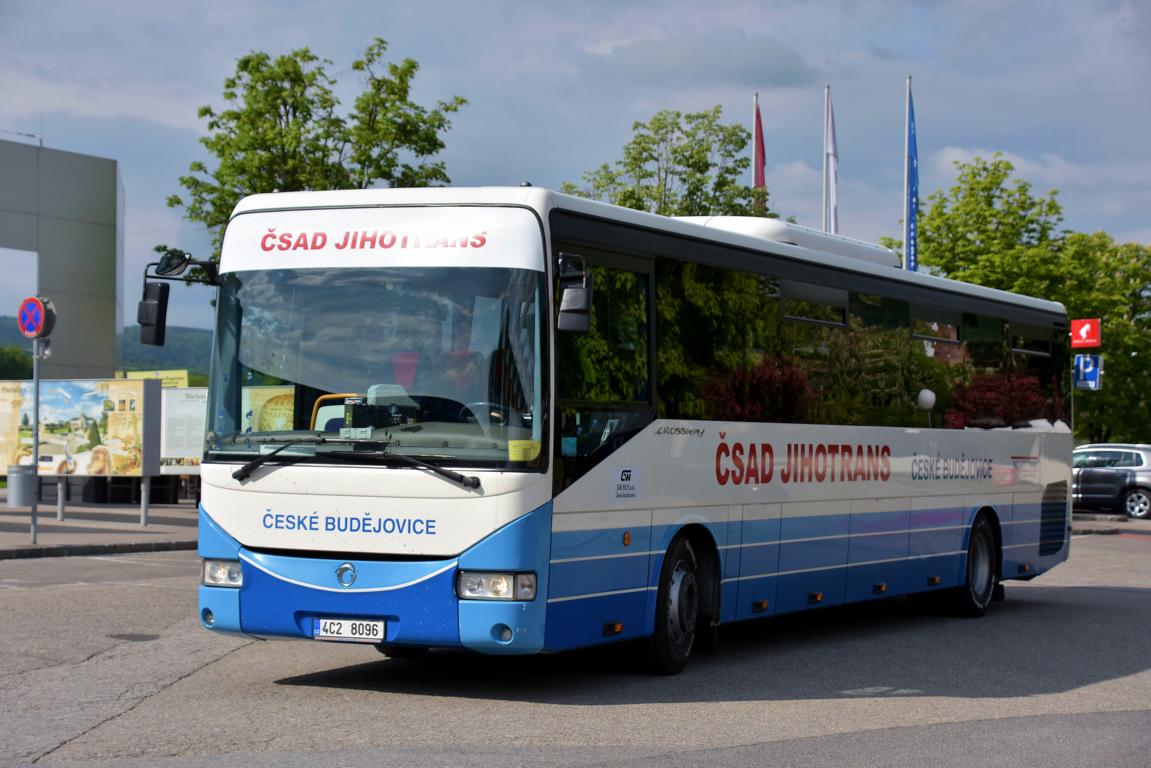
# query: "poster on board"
(268, 408)
(183, 413)
(88, 427)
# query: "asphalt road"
(102, 662)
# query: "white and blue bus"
(514, 421)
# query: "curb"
(1109, 532)
(72, 550)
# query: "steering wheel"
(485, 414)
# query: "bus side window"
(603, 387)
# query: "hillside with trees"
(188, 348)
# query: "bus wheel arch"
(687, 601)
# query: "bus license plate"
(348, 630)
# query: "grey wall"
(69, 209)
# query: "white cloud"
(26, 95)
(1093, 195)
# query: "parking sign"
(1089, 372)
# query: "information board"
(183, 414)
(88, 427)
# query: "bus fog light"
(223, 573)
(496, 586)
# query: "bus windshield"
(441, 363)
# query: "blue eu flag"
(911, 204)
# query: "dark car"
(1112, 476)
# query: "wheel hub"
(1138, 505)
(683, 603)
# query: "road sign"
(1086, 333)
(1089, 372)
(36, 317)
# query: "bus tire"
(676, 609)
(979, 585)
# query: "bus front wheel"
(676, 609)
(979, 586)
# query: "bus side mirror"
(575, 294)
(152, 314)
(172, 263)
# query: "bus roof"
(790, 242)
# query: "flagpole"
(826, 98)
(759, 161)
(906, 160)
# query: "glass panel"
(719, 352)
(610, 363)
(602, 377)
(439, 362)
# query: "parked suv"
(1115, 476)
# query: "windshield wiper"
(247, 469)
(467, 481)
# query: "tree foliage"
(679, 165)
(15, 363)
(281, 129)
(992, 231)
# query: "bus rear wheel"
(676, 609)
(979, 586)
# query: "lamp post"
(926, 401)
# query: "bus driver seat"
(454, 375)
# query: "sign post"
(36, 318)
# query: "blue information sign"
(1089, 372)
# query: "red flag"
(760, 155)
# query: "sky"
(1058, 86)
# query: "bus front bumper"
(283, 595)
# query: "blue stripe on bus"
(816, 526)
(578, 623)
(806, 555)
(601, 542)
(867, 549)
(211, 539)
(594, 576)
(790, 563)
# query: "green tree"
(679, 165)
(992, 231)
(1109, 280)
(282, 130)
(15, 363)
(988, 232)
(94, 438)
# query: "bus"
(517, 421)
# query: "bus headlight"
(223, 573)
(475, 585)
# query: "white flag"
(830, 167)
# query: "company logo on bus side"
(741, 463)
(366, 240)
